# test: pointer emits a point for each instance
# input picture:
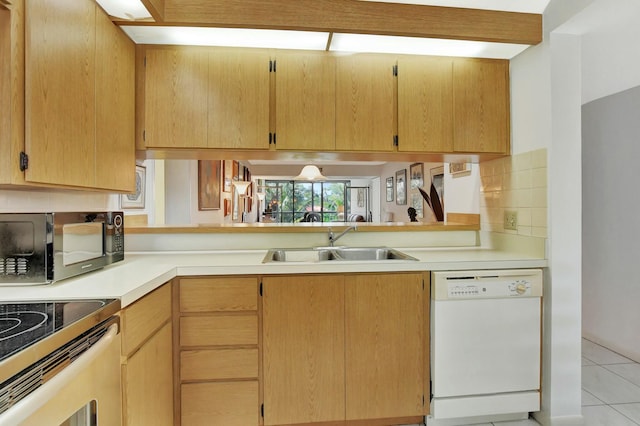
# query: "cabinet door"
(425, 108)
(481, 105)
(60, 92)
(238, 99)
(365, 109)
(115, 106)
(384, 323)
(303, 347)
(176, 87)
(148, 382)
(305, 101)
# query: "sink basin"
(325, 254)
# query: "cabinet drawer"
(216, 364)
(218, 294)
(145, 316)
(219, 330)
(220, 404)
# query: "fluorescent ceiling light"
(131, 10)
(309, 40)
(232, 37)
(423, 46)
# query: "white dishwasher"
(485, 344)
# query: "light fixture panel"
(341, 42)
(131, 10)
(228, 37)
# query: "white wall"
(463, 190)
(611, 227)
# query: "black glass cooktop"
(24, 324)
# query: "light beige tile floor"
(610, 387)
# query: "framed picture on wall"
(390, 188)
(209, 175)
(416, 175)
(136, 199)
(401, 187)
(227, 174)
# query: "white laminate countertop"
(141, 273)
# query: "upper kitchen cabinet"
(365, 108)
(481, 106)
(79, 97)
(425, 107)
(115, 106)
(238, 99)
(176, 85)
(202, 97)
(305, 114)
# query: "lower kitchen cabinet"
(147, 360)
(219, 355)
(303, 345)
(348, 348)
(385, 346)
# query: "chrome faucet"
(333, 238)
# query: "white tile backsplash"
(515, 183)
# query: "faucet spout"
(333, 238)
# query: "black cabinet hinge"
(262, 410)
(395, 70)
(24, 161)
(260, 288)
(395, 140)
(274, 138)
(145, 61)
(144, 135)
(423, 283)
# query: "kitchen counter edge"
(141, 273)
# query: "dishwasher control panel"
(456, 290)
(486, 284)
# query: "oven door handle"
(39, 397)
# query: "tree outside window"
(288, 201)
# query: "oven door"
(87, 392)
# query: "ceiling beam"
(155, 8)
(355, 16)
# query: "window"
(289, 201)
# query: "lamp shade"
(310, 173)
(260, 196)
(241, 186)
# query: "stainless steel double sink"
(331, 254)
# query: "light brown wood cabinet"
(147, 360)
(305, 101)
(317, 101)
(201, 97)
(365, 103)
(425, 104)
(176, 97)
(303, 346)
(219, 361)
(238, 99)
(481, 106)
(69, 94)
(345, 348)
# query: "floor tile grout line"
(604, 347)
(627, 417)
(623, 378)
(603, 365)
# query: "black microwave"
(41, 248)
